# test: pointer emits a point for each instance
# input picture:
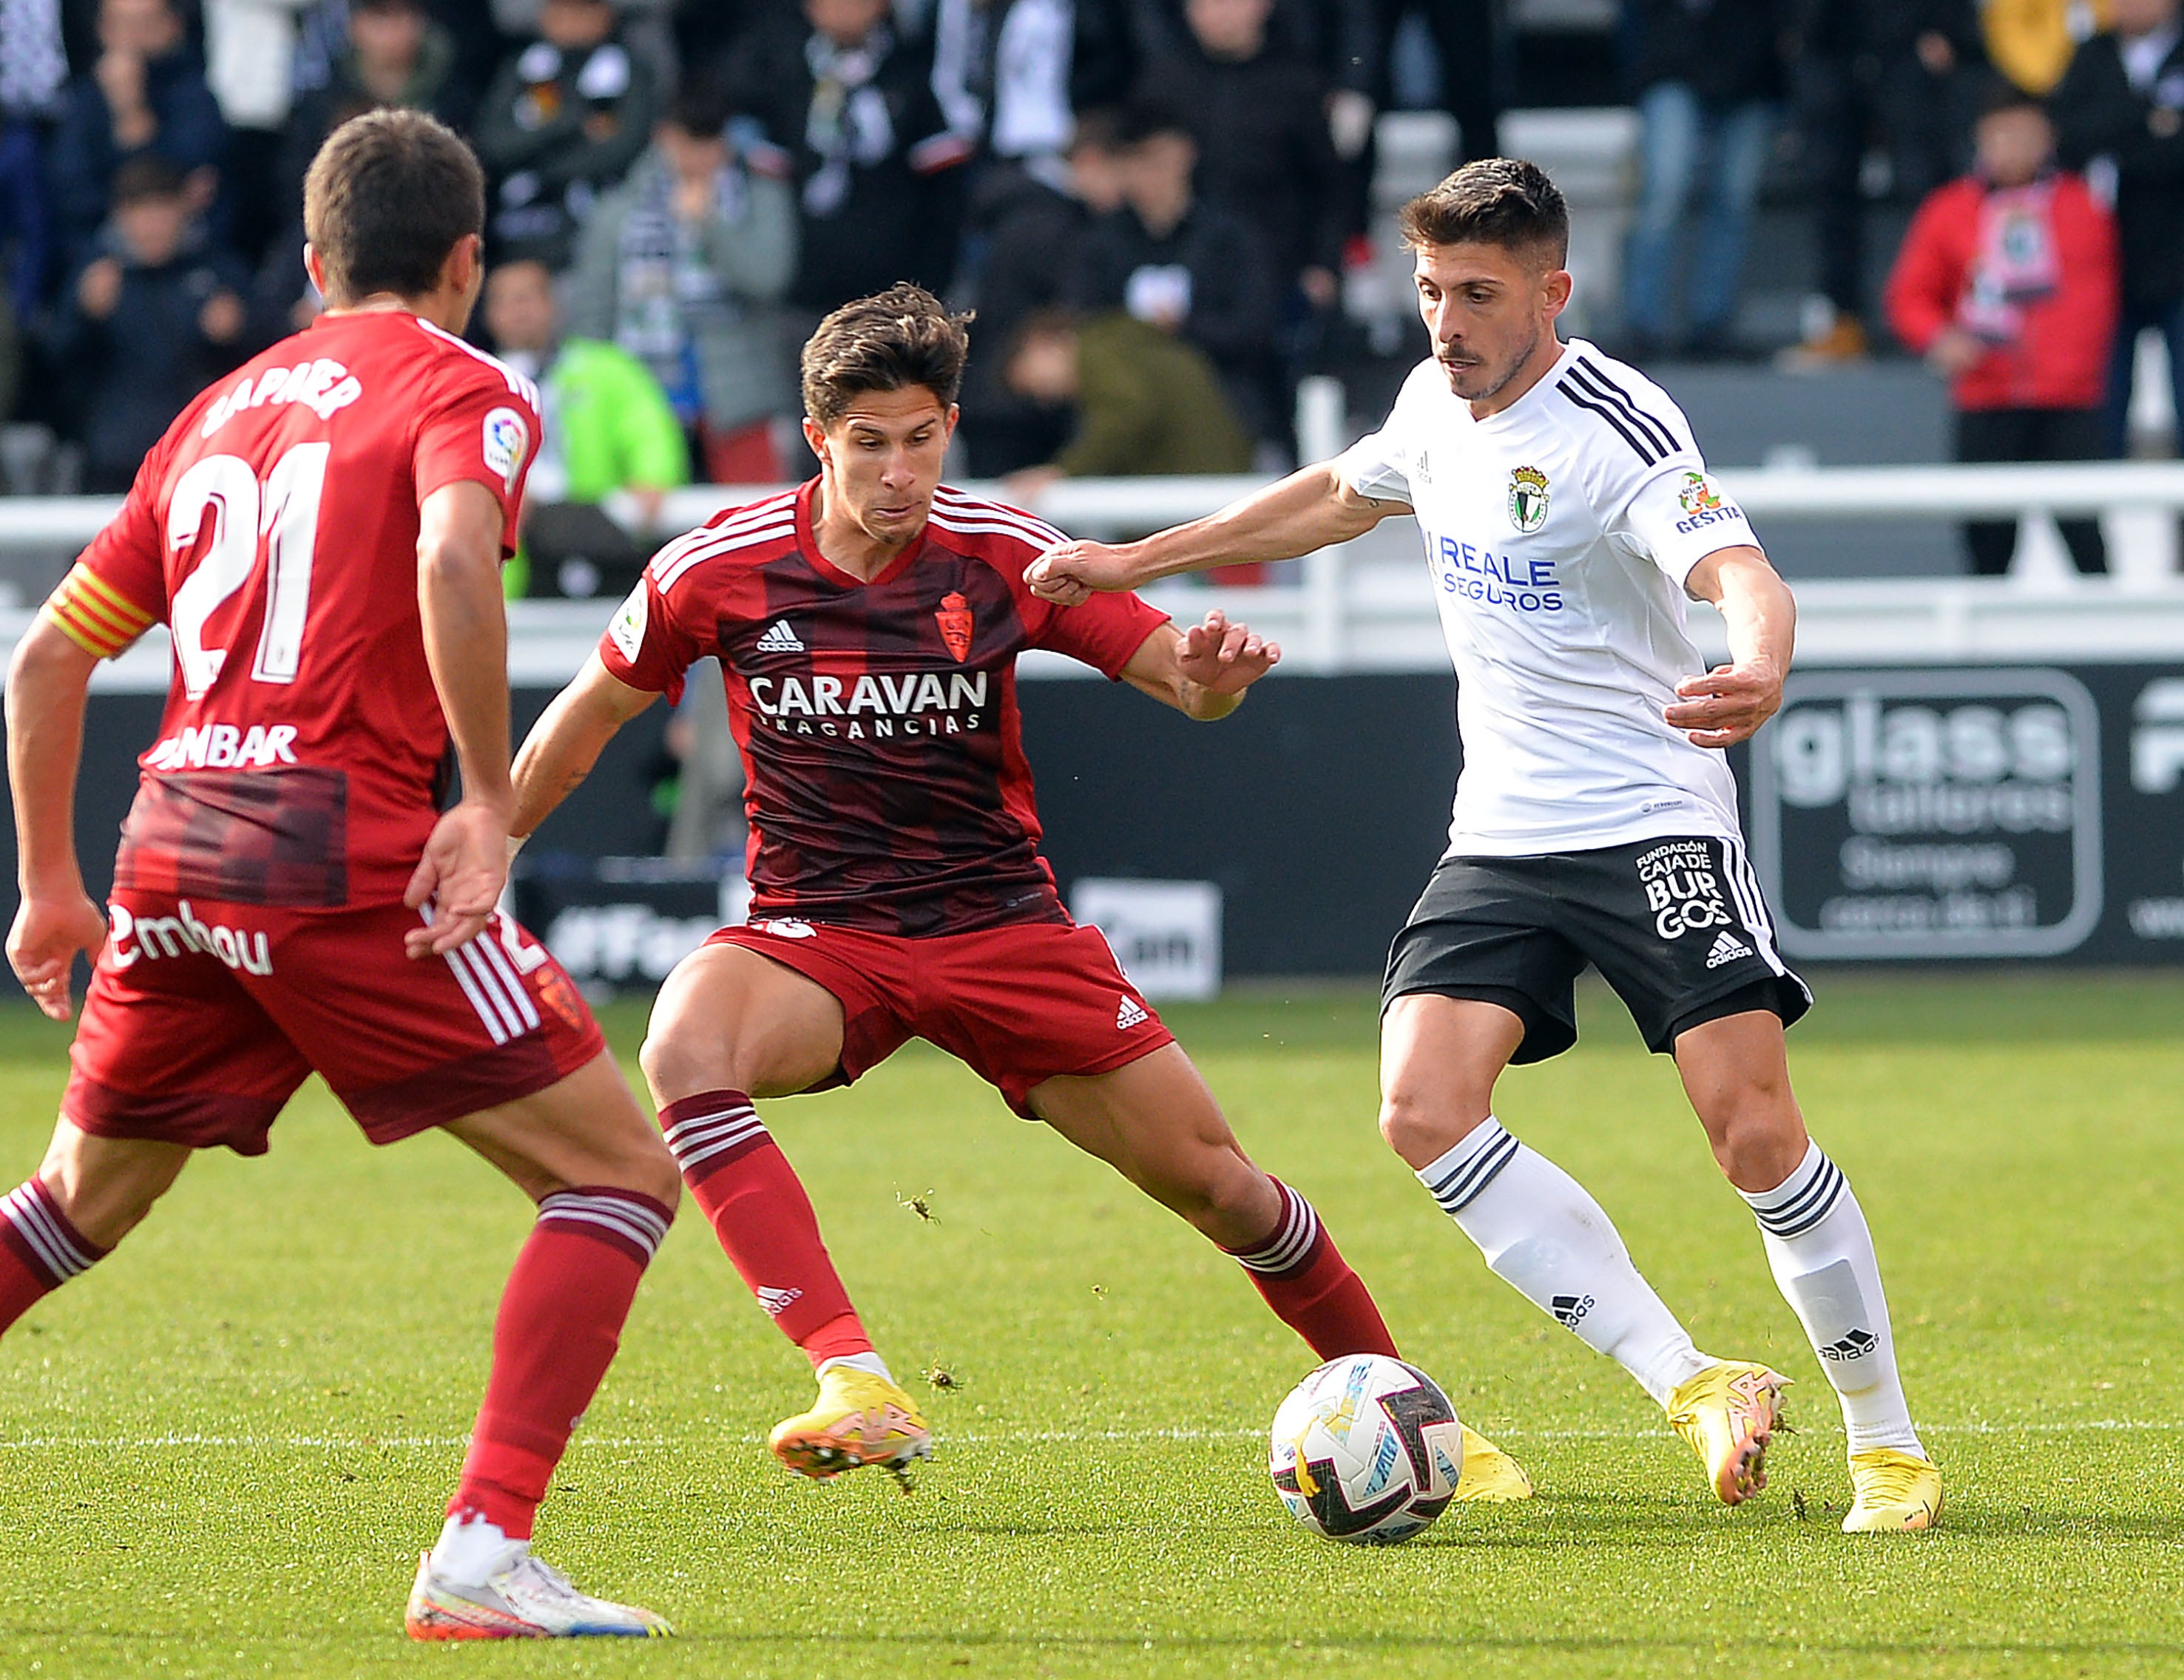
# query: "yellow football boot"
(1491, 1477)
(859, 1419)
(1896, 1493)
(1726, 1414)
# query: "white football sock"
(1821, 1254)
(1544, 1235)
(872, 1364)
(470, 1553)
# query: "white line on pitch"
(643, 1442)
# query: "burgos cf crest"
(1698, 494)
(954, 619)
(1527, 498)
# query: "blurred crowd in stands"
(1151, 203)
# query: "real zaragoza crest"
(1527, 498)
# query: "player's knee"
(1759, 1137)
(1420, 1129)
(674, 1069)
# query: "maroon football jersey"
(274, 528)
(885, 778)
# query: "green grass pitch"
(220, 1452)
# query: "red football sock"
(39, 1249)
(1311, 1287)
(757, 1208)
(561, 1320)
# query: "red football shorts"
(1019, 1004)
(202, 1017)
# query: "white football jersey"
(1559, 533)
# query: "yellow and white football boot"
(1726, 1414)
(1491, 1477)
(859, 1419)
(1896, 1493)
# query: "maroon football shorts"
(204, 1016)
(1019, 1004)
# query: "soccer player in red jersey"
(867, 625)
(322, 532)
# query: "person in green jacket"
(1146, 401)
(609, 426)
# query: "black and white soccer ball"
(1367, 1449)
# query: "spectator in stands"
(608, 428)
(2123, 99)
(393, 53)
(250, 65)
(2006, 284)
(1471, 40)
(2031, 41)
(682, 266)
(564, 120)
(1258, 117)
(1906, 71)
(1188, 267)
(1143, 401)
(33, 86)
(155, 316)
(1708, 75)
(846, 110)
(1014, 72)
(145, 95)
(1027, 221)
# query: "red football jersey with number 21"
(274, 528)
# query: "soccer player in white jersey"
(1566, 514)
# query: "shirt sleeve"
(1379, 464)
(481, 430)
(117, 590)
(647, 644)
(1105, 633)
(1675, 516)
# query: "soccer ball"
(1366, 1449)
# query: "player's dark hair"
(388, 196)
(899, 338)
(1492, 200)
(2001, 94)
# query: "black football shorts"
(1676, 925)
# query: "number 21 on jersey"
(281, 516)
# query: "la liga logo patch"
(953, 618)
(1527, 498)
(506, 442)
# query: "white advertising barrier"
(1166, 934)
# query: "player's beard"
(1515, 365)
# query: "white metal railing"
(1368, 605)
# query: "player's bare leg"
(606, 1191)
(1737, 1075)
(729, 1024)
(1155, 1123)
(1538, 1228)
(87, 1195)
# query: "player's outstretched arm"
(47, 682)
(465, 624)
(567, 740)
(1729, 703)
(1309, 509)
(1204, 671)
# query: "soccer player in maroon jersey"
(322, 532)
(867, 625)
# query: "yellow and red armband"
(93, 614)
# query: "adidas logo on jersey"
(779, 638)
(1727, 949)
(778, 1301)
(1132, 1014)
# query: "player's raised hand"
(1223, 658)
(464, 868)
(1727, 704)
(42, 944)
(1071, 575)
